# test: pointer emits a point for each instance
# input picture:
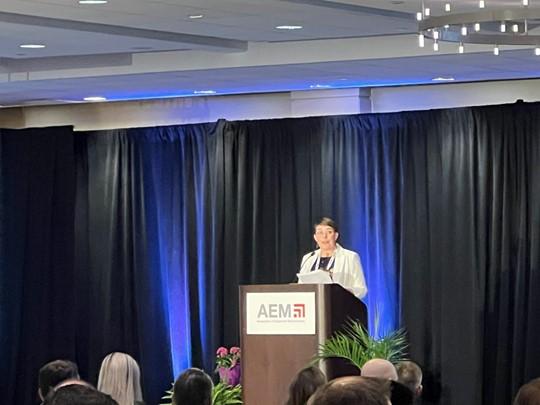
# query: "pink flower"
(222, 352)
(228, 365)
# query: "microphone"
(306, 259)
(303, 262)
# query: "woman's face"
(326, 237)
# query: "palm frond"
(355, 345)
(167, 397)
(224, 394)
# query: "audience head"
(193, 387)
(304, 385)
(353, 391)
(78, 394)
(410, 375)
(529, 394)
(379, 368)
(120, 377)
(401, 395)
(73, 381)
(55, 372)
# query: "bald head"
(379, 368)
(529, 394)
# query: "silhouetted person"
(529, 394)
(353, 391)
(193, 387)
(120, 377)
(410, 375)
(305, 383)
(379, 368)
(401, 395)
(53, 373)
(78, 394)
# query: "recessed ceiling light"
(95, 98)
(319, 86)
(195, 16)
(443, 79)
(204, 92)
(289, 27)
(93, 1)
(32, 46)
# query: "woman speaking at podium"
(343, 266)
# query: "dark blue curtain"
(470, 235)
(153, 229)
(37, 278)
(361, 158)
(191, 212)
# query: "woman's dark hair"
(193, 387)
(327, 222)
(305, 384)
(529, 394)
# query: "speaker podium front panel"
(282, 327)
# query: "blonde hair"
(119, 377)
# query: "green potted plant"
(222, 394)
(355, 345)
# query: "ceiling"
(140, 49)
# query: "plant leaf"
(222, 394)
(355, 345)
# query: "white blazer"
(347, 270)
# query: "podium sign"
(280, 313)
(281, 329)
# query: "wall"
(172, 111)
(453, 95)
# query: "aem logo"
(280, 311)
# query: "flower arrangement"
(228, 365)
(227, 358)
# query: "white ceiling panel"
(129, 49)
(65, 42)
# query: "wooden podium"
(271, 357)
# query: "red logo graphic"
(299, 311)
